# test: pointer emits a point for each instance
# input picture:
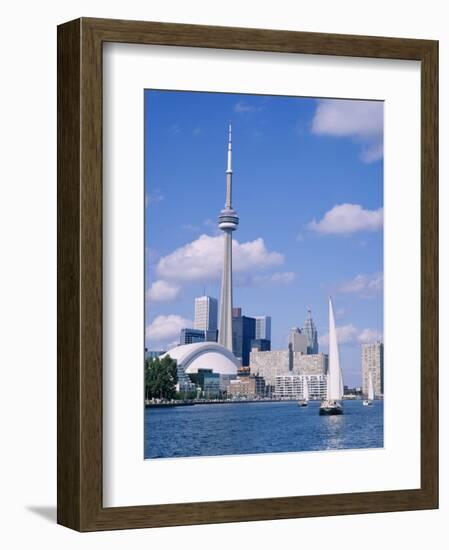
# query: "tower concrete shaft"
(227, 222)
(225, 334)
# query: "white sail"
(334, 377)
(305, 391)
(370, 387)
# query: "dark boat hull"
(331, 410)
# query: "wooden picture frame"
(80, 504)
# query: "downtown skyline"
(308, 186)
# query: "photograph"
(263, 274)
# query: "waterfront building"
(184, 383)
(263, 327)
(206, 314)
(311, 333)
(243, 332)
(297, 340)
(227, 222)
(288, 386)
(291, 386)
(311, 364)
(260, 344)
(373, 361)
(248, 386)
(208, 381)
(191, 336)
(225, 380)
(317, 385)
(204, 355)
(270, 364)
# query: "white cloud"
(202, 259)
(360, 120)
(244, 107)
(346, 334)
(369, 336)
(162, 291)
(344, 117)
(349, 334)
(365, 285)
(348, 218)
(165, 328)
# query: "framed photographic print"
(247, 274)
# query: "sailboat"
(332, 404)
(369, 401)
(305, 394)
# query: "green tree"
(160, 378)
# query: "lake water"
(249, 428)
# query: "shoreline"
(171, 404)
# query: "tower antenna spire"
(229, 171)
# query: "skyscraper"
(191, 336)
(227, 222)
(206, 312)
(263, 327)
(373, 360)
(243, 333)
(298, 340)
(311, 333)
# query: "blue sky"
(308, 188)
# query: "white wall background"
(28, 271)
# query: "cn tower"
(227, 222)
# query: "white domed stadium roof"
(204, 355)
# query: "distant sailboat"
(305, 394)
(332, 404)
(369, 401)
